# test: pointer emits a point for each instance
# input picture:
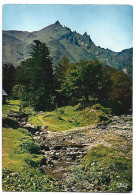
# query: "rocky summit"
(16, 46)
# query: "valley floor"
(93, 158)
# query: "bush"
(99, 107)
(94, 116)
(29, 146)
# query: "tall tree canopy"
(86, 79)
(60, 73)
(36, 74)
(121, 90)
(62, 69)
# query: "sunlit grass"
(68, 117)
(10, 159)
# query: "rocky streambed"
(62, 149)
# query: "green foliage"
(121, 91)
(33, 160)
(29, 145)
(37, 77)
(100, 107)
(8, 77)
(20, 149)
(60, 73)
(86, 78)
(16, 107)
(94, 116)
(21, 163)
(103, 166)
(30, 181)
(19, 92)
(24, 131)
(62, 69)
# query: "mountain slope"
(62, 41)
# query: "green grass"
(69, 117)
(17, 147)
(15, 106)
(11, 106)
(20, 163)
(104, 168)
(20, 158)
(58, 120)
(62, 119)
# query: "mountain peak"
(86, 35)
(57, 23)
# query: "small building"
(4, 96)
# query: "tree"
(86, 79)
(121, 90)
(19, 92)
(62, 69)
(8, 77)
(60, 74)
(37, 77)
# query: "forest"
(46, 87)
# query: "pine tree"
(37, 76)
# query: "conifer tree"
(36, 74)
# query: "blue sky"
(109, 26)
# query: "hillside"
(62, 41)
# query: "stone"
(28, 125)
(37, 133)
(35, 137)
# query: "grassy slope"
(20, 163)
(102, 166)
(68, 118)
(20, 158)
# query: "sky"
(109, 26)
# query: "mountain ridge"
(62, 41)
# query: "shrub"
(29, 146)
(100, 107)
